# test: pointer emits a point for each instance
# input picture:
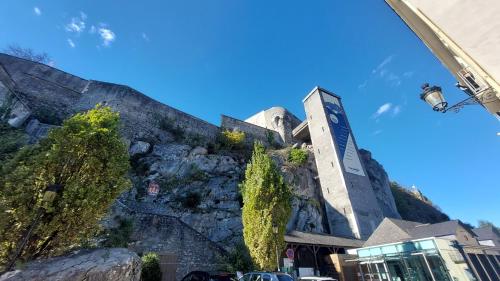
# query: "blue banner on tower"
(342, 135)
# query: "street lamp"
(275, 231)
(433, 96)
(48, 197)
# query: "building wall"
(253, 132)
(277, 119)
(462, 34)
(351, 206)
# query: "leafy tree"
(151, 267)
(88, 160)
(266, 202)
(232, 139)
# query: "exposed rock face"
(381, 184)
(97, 265)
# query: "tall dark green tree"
(88, 159)
(267, 203)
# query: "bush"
(232, 140)
(191, 200)
(298, 156)
(150, 267)
(119, 237)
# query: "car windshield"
(283, 277)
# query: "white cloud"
(77, 24)
(383, 64)
(92, 29)
(71, 43)
(362, 86)
(377, 132)
(382, 109)
(37, 11)
(107, 36)
(145, 36)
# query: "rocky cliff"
(185, 197)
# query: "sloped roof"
(308, 238)
(486, 233)
(394, 230)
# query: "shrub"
(232, 139)
(150, 267)
(191, 200)
(119, 237)
(298, 156)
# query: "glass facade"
(409, 261)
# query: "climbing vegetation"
(266, 203)
(297, 156)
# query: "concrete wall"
(253, 132)
(351, 206)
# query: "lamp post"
(275, 231)
(433, 96)
(49, 195)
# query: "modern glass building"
(414, 260)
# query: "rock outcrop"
(97, 265)
(380, 183)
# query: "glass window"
(364, 253)
(427, 245)
(255, 277)
(266, 277)
(375, 251)
(284, 277)
(391, 249)
(187, 277)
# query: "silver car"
(266, 276)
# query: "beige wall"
(462, 34)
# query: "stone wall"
(168, 235)
(52, 95)
(253, 132)
(277, 119)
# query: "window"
(331, 164)
(255, 277)
(283, 277)
(327, 190)
(323, 128)
(266, 277)
(319, 151)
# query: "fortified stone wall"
(53, 95)
(253, 132)
(277, 119)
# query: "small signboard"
(290, 254)
(153, 188)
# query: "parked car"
(209, 276)
(316, 278)
(266, 276)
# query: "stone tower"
(351, 206)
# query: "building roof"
(394, 230)
(486, 232)
(308, 238)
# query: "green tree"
(88, 159)
(266, 203)
(150, 267)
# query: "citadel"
(342, 197)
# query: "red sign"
(290, 254)
(153, 188)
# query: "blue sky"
(238, 57)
